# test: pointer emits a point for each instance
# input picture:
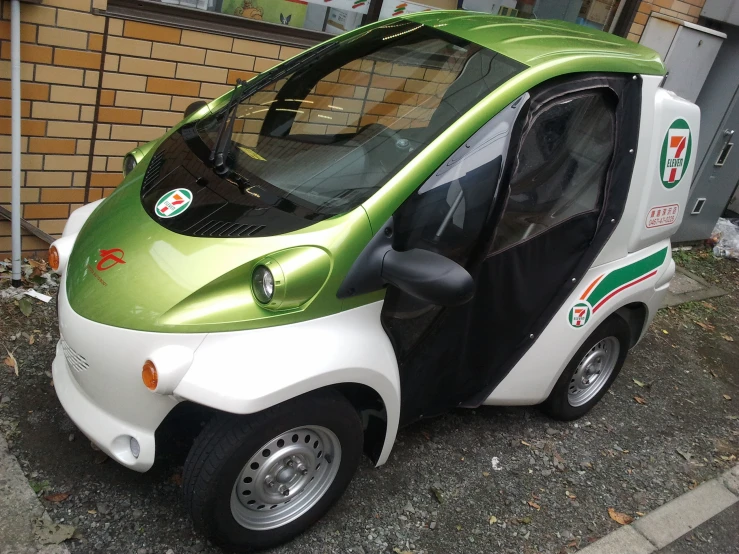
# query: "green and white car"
(442, 210)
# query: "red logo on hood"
(110, 258)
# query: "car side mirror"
(428, 276)
(195, 106)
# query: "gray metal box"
(688, 51)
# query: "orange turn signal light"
(53, 258)
(149, 375)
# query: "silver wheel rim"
(285, 478)
(593, 371)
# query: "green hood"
(169, 282)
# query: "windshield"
(331, 132)
(316, 136)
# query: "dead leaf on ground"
(492, 520)
(705, 326)
(640, 400)
(525, 443)
(486, 474)
(48, 532)
(640, 514)
(11, 361)
(426, 435)
(639, 383)
(570, 495)
(727, 397)
(57, 497)
(618, 517)
(31, 339)
(25, 305)
(534, 505)
(665, 332)
(727, 338)
(709, 305)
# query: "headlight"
(263, 284)
(129, 163)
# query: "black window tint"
(561, 167)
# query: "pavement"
(686, 286)
(707, 517)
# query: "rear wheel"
(252, 482)
(591, 371)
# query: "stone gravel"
(504, 480)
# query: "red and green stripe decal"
(608, 285)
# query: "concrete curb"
(673, 520)
(19, 510)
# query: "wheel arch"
(636, 315)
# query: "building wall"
(93, 88)
(686, 10)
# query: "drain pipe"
(15, 108)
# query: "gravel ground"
(439, 493)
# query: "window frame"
(530, 120)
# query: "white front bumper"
(98, 382)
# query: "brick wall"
(127, 83)
(686, 10)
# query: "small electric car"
(441, 210)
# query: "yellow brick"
(83, 147)
(223, 59)
(100, 4)
(103, 131)
(91, 78)
(119, 81)
(87, 113)
(79, 5)
(46, 179)
(263, 64)
(47, 110)
(69, 130)
(163, 119)
(98, 164)
(213, 91)
(52, 226)
(136, 132)
(73, 95)
(206, 40)
(115, 164)
(113, 148)
(29, 162)
(163, 51)
(81, 21)
(28, 195)
(65, 163)
(26, 70)
(254, 48)
(79, 179)
(60, 75)
(179, 103)
(200, 73)
(33, 13)
(142, 100)
(115, 27)
(139, 66)
(129, 46)
(5, 143)
(288, 52)
(111, 62)
(62, 37)
(147, 31)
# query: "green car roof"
(537, 42)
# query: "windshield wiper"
(222, 146)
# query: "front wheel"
(591, 371)
(251, 482)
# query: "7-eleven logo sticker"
(579, 314)
(173, 203)
(675, 153)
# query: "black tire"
(558, 405)
(227, 443)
